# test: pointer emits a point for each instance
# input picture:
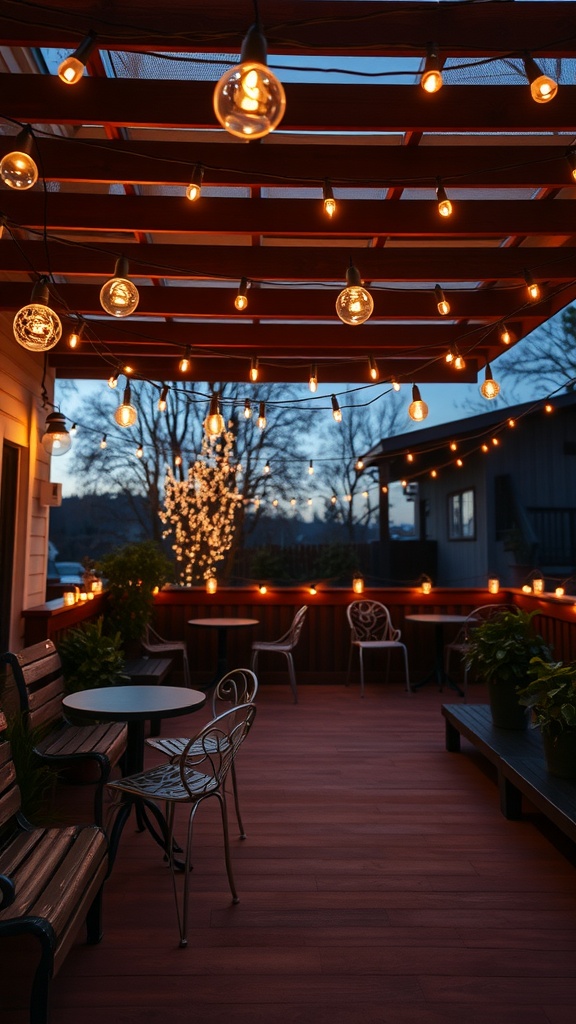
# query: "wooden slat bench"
(37, 672)
(520, 764)
(50, 884)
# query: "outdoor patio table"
(222, 626)
(438, 621)
(134, 705)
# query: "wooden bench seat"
(51, 882)
(37, 672)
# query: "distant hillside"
(90, 526)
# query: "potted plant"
(91, 658)
(500, 650)
(551, 696)
(132, 574)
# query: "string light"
(194, 189)
(75, 337)
(533, 288)
(241, 300)
(359, 465)
(18, 168)
(184, 364)
(444, 205)
(328, 197)
(548, 407)
(267, 468)
(313, 379)
(505, 336)
(373, 368)
(254, 370)
(126, 414)
(103, 442)
(484, 448)
(542, 87)
(262, 416)
(453, 446)
(119, 296)
(177, 459)
(249, 101)
(56, 440)
(511, 423)
(489, 388)
(139, 451)
(459, 463)
(336, 411)
(247, 409)
(433, 474)
(431, 78)
(36, 326)
(73, 430)
(354, 304)
(443, 304)
(409, 457)
(72, 68)
(162, 399)
(395, 384)
(311, 468)
(113, 381)
(417, 410)
(214, 423)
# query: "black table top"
(129, 703)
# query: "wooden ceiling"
(116, 153)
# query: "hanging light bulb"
(542, 87)
(313, 379)
(336, 410)
(71, 69)
(489, 388)
(214, 423)
(442, 303)
(431, 79)
(417, 410)
(194, 189)
(113, 381)
(267, 468)
(184, 364)
(311, 468)
(533, 288)
(119, 296)
(373, 368)
(254, 369)
(56, 440)
(444, 205)
(139, 451)
(241, 300)
(126, 414)
(247, 409)
(73, 430)
(459, 361)
(18, 169)
(249, 101)
(162, 399)
(354, 304)
(571, 158)
(359, 466)
(177, 459)
(103, 442)
(75, 337)
(505, 336)
(36, 326)
(262, 415)
(395, 384)
(328, 197)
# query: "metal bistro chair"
(283, 645)
(239, 686)
(197, 774)
(461, 642)
(372, 630)
(155, 644)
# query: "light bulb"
(542, 87)
(373, 368)
(442, 303)
(195, 187)
(71, 68)
(328, 197)
(254, 372)
(103, 442)
(359, 465)
(119, 296)
(263, 589)
(75, 337)
(126, 414)
(571, 158)
(36, 326)
(354, 304)
(262, 415)
(139, 451)
(56, 440)
(395, 385)
(444, 205)
(459, 362)
(267, 468)
(431, 79)
(505, 336)
(162, 399)
(73, 430)
(249, 101)
(241, 300)
(532, 288)
(184, 364)
(113, 381)
(17, 169)
(313, 379)
(311, 468)
(417, 410)
(214, 423)
(177, 459)
(489, 388)
(247, 409)
(336, 410)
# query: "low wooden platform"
(520, 763)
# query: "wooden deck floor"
(379, 883)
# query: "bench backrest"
(9, 792)
(37, 671)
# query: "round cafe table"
(222, 626)
(438, 621)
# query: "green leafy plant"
(132, 573)
(35, 779)
(90, 657)
(551, 696)
(501, 648)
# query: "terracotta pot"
(507, 713)
(560, 752)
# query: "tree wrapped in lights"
(200, 512)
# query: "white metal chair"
(372, 630)
(460, 644)
(156, 645)
(197, 774)
(239, 686)
(283, 645)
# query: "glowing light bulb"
(73, 430)
(241, 300)
(103, 442)
(444, 205)
(312, 590)
(431, 79)
(328, 197)
(75, 337)
(267, 468)
(56, 440)
(247, 409)
(113, 381)
(262, 416)
(184, 364)
(417, 410)
(311, 468)
(262, 589)
(354, 304)
(254, 370)
(249, 101)
(71, 69)
(139, 451)
(126, 414)
(373, 368)
(459, 362)
(36, 326)
(214, 423)
(119, 296)
(571, 158)
(194, 189)
(548, 407)
(542, 87)
(313, 379)
(433, 474)
(532, 288)
(336, 410)
(395, 385)
(18, 170)
(505, 336)
(442, 303)
(162, 400)
(489, 388)
(453, 446)
(359, 465)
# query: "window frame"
(454, 498)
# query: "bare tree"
(548, 356)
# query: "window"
(461, 516)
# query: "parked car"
(70, 572)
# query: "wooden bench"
(37, 672)
(520, 764)
(51, 882)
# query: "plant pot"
(560, 753)
(507, 713)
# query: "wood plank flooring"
(379, 884)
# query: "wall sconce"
(211, 585)
(358, 584)
(426, 585)
(493, 585)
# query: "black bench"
(520, 764)
(50, 884)
(37, 672)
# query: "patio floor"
(379, 883)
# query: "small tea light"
(90, 595)
(69, 597)
(312, 590)
(538, 585)
(559, 592)
(493, 585)
(97, 586)
(358, 584)
(526, 589)
(262, 589)
(426, 585)
(211, 585)
(83, 597)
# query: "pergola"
(116, 152)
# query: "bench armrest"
(7, 891)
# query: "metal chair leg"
(292, 675)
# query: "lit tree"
(200, 511)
